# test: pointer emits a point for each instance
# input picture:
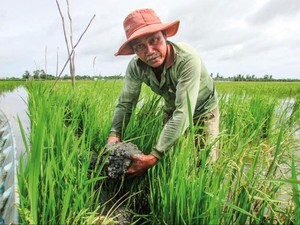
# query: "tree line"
(42, 75)
(247, 77)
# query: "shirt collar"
(170, 57)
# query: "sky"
(255, 37)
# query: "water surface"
(14, 106)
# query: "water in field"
(14, 106)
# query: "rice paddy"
(9, 85)
(255, 180)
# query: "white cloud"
(247, 37)
(274, 9)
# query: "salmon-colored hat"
(141, 22)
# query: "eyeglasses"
(154, 40)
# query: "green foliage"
(9, 85)
(245, 186)
(268, 89)
(56, 185)
(237, 190)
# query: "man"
(172, 70)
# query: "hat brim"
(170, 29)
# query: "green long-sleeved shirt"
(186, 76)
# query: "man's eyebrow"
(138, 41)
(135, 42)
(152, 35)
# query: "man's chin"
(155, 63)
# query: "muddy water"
(14, 105)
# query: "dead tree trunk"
(71, 53)
(71, 56)
(70, 47)
(72, 59)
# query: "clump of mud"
(117, 158)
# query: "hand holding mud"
(124, 158)
(113, 139)
(141, 163)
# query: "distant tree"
(50, 77)
(66, 77)
(26, 75)
(268, 77)
(36, 74)
(43, 74)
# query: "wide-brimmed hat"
(141, 22)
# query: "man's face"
(151, 48)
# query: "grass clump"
(255, 180)
(56, 185)
(9, 85)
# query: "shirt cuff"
(156, 153)
(114, 134)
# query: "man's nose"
(149, 48)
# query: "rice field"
(9, 85)
(255, 180)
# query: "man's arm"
(127, 101)
(187, 87)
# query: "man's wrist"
(113, 139)
(114, 134)
(156, 153)
(153, 159)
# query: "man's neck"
(158, 71)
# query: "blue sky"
(233, 37)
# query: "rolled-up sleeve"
(126, 102)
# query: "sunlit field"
(9, 85)
(255, 180)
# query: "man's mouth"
(153, 56)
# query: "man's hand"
(113, 139)
(141, 163)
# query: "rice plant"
(238, 189)
(9, 85)
(255, 180)
(56, 185)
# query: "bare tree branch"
(94, 63)
(72, 60)
(66, 37)
(64, 27)
(46, 61)
(87, 27)
(56, 62)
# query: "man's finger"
(136, 156)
